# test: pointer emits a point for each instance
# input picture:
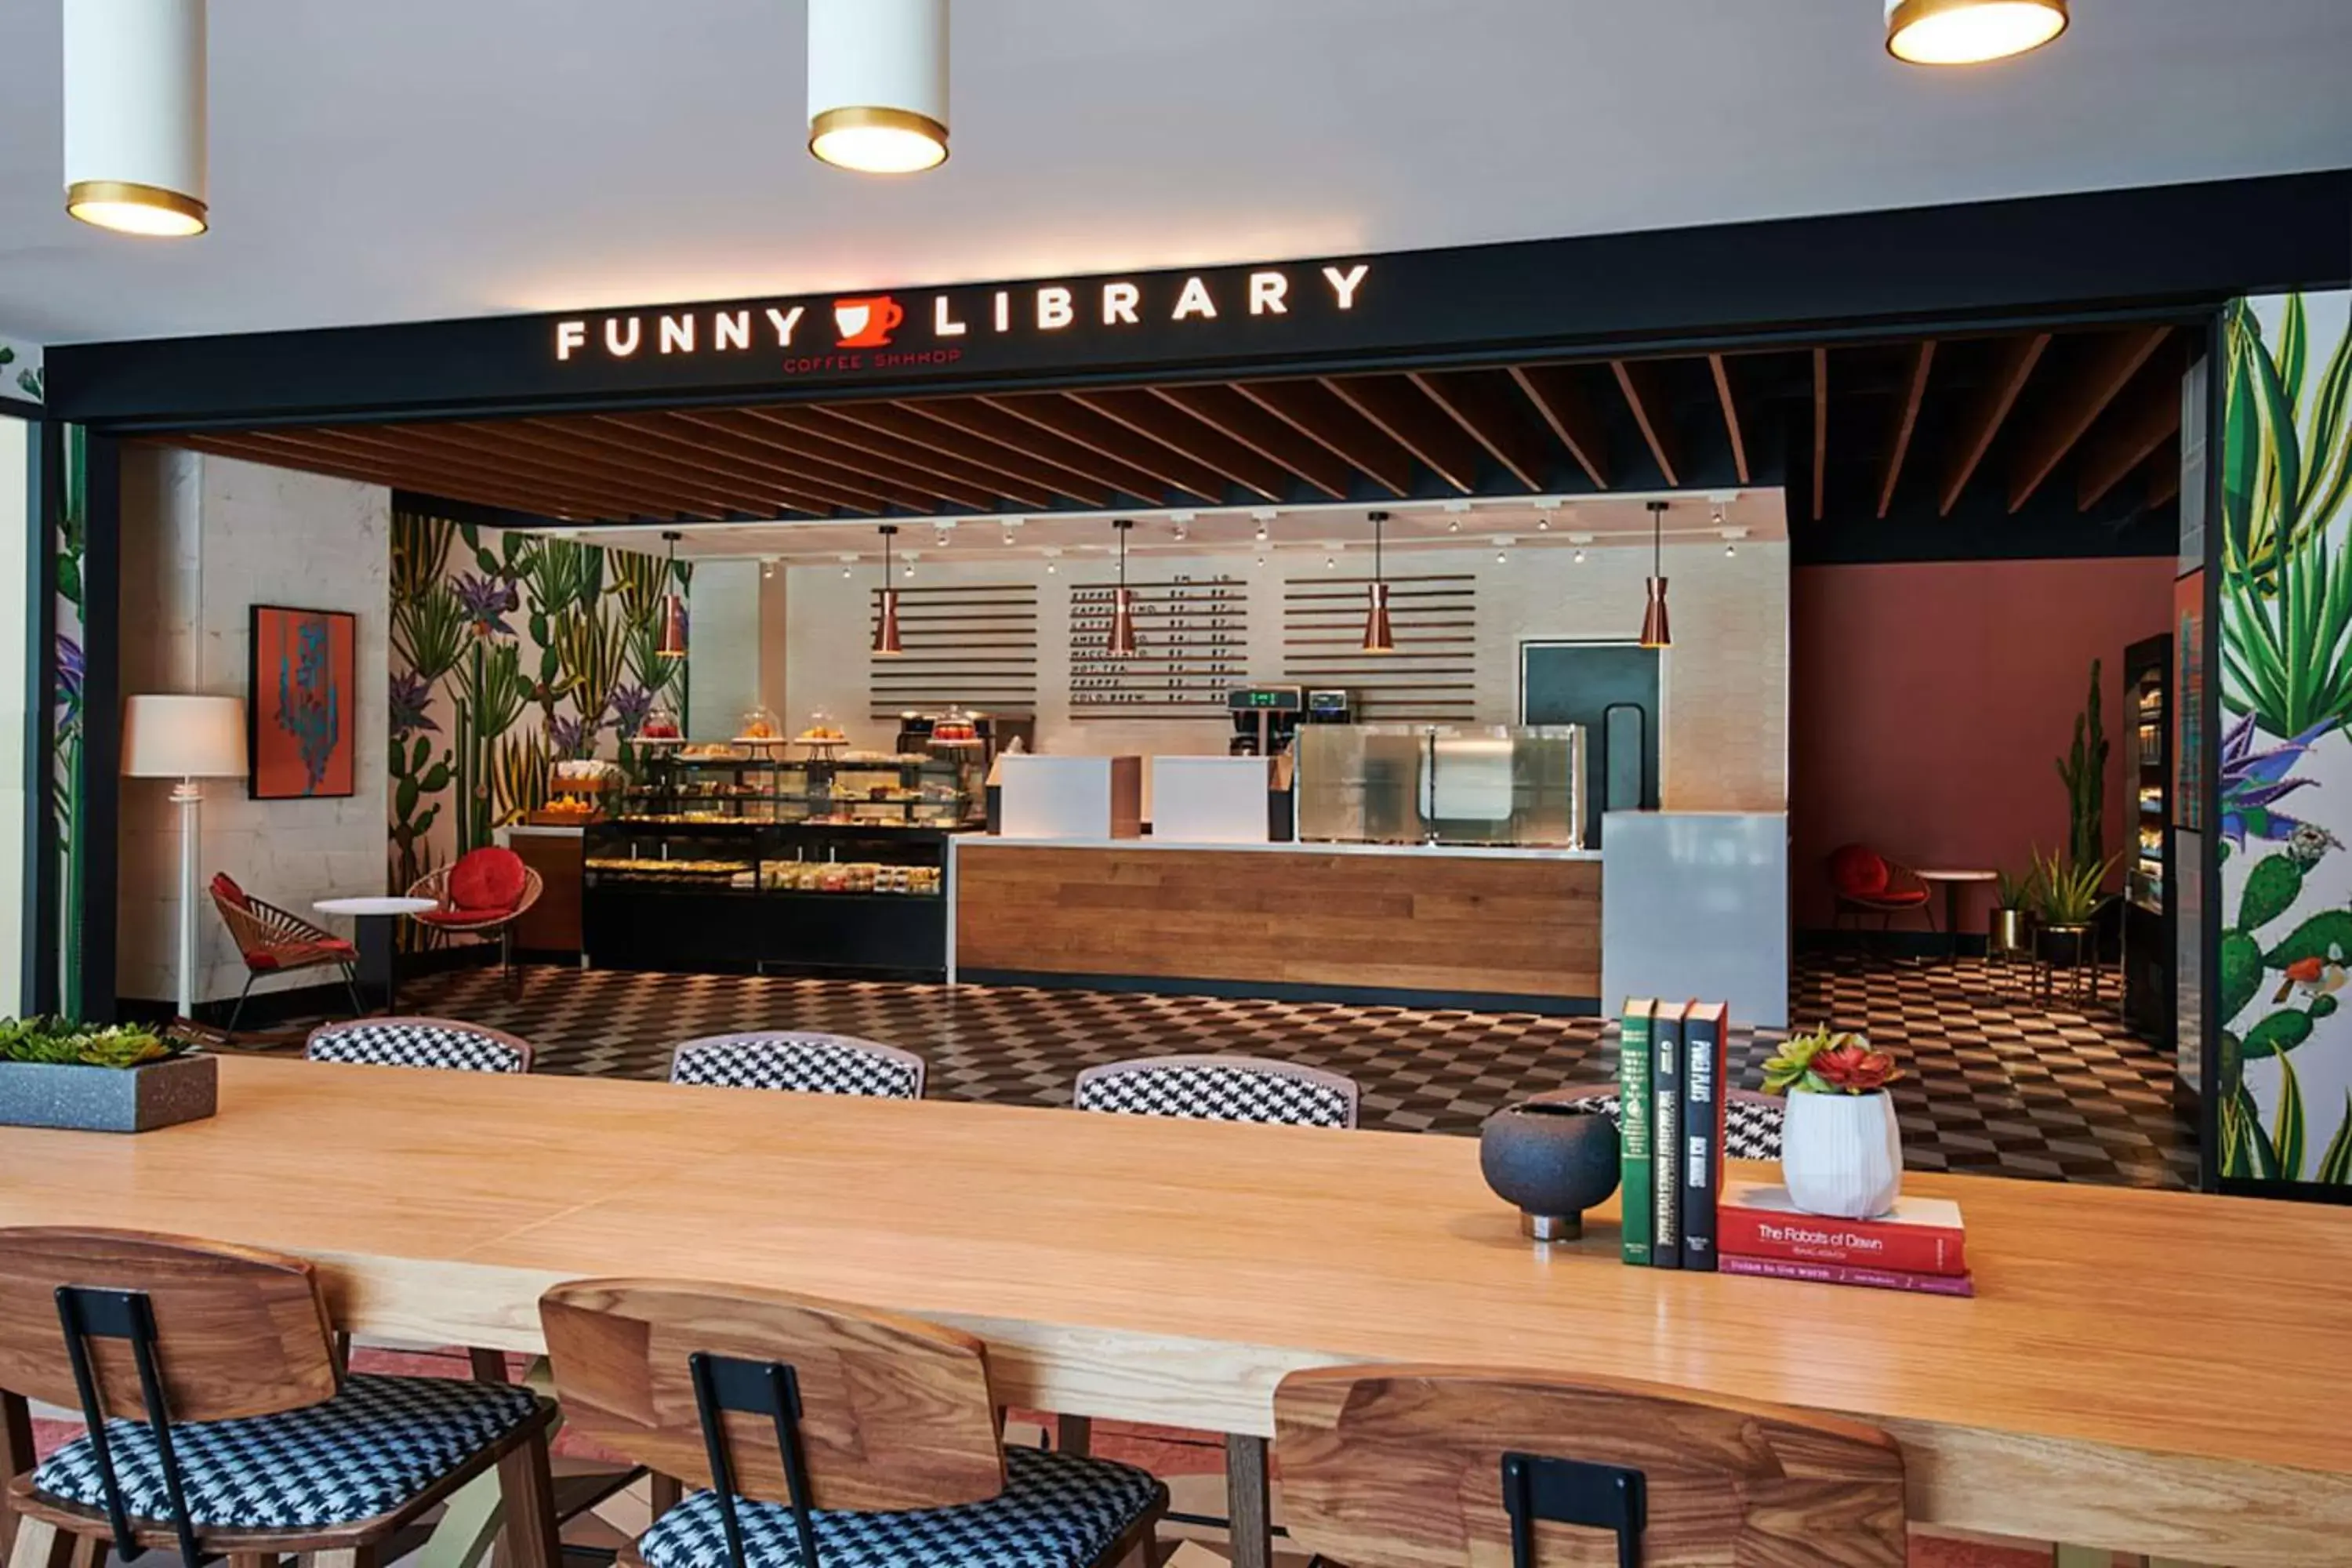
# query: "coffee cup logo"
(868, 323)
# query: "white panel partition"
(1209, 800)
(1695, 905)
(1086, 798)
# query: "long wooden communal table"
(2146, 1372)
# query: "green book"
(1634, 1130)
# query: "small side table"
(1953, 881)
(376, 933)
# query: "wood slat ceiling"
(1871, 430)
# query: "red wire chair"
(278, 942)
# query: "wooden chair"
(1435, 1467)
(820, 1434)
(1220, 1088)
(218, 1420)
(439, 1043)
(799, 1062)
(273, 940)
(1217, 1089)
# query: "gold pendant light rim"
(1911, 12)
(876, 116)
(130, 193)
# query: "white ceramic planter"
(1842, 1154)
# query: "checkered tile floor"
(1995, 1082)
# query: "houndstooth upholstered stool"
(217, 1419)
(799, 1062)
(1751, 1122)
(824, 1436)
(439, 1043)
(1217, 1089)
(1220, 1088)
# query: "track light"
(877, 84)
(673, 627)
(1122, 603)
(1654, 632)
(886, 625)
(134, 115)
(1970, 32)
(1378, 637)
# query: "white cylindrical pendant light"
(1970, 32)
(134, 92)
(877, 84)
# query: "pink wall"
(1929, 703)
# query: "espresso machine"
(1266, 717)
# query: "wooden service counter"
(1498, 929)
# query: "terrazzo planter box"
(108, 1100)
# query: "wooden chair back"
(894, 1413)
(1401, 1467)
(240, 1332)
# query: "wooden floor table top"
(2127, 1351)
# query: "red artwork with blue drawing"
(298, 711)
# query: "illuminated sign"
(885, 331)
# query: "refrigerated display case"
(2147, 902)
(743, 895)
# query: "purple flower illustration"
(412, 694)
(2252, 782)
(631, 704)
(487, 603)
(570, 737)
(69, 674)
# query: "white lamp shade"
(135, 113)
(877, 83)
(184, 738)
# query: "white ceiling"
(435, 158)
(1753, 516)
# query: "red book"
(1922, 1235)
(1840, 1274)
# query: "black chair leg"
(351, 985)
(238, 1011)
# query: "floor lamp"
(188, 739)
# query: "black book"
(1705, 1030)
(1665, 1137)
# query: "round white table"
(1953, 881)
(375, 924)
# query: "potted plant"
(123, 1078)
(2013, 900)
(1841, 1150)
(2067, 895)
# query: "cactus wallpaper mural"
(510, 652)
(2284, 1086)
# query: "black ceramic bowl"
(1551, 1162)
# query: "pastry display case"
(758, 781)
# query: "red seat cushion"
(487, 881)
(460, 919)
(1858, 871)
(303, 954)
(224, 889)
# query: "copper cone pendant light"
(1378, 636)
(885, 626)
(1122, 603)
(1654, 615)
(672, 624)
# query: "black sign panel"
(2170, 246)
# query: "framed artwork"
(300, 706)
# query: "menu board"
(1192, 637)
